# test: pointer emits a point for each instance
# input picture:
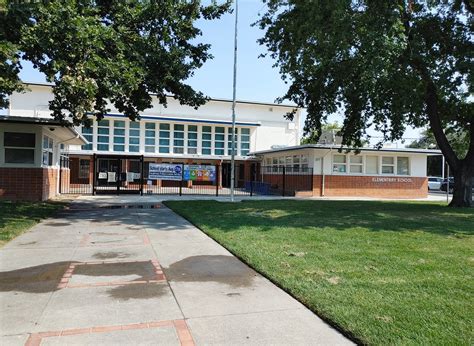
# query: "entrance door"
(116, 175)
(107, 175)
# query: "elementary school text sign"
(391, 180)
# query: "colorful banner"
(199, 173)
(165, 171)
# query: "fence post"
(181, 181)
(60, 174)
(284, 181)
(252, 176)
(141, 177)
(217, 180)
(93, 174)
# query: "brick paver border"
(64, 282)
(181, 327)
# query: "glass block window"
(87, 134)
(206, 140)
(178, 139)
(192, 139)
(244, 142)
(403, 166)
(219, 139)
(388, 165)
(119, 135)
(229, 140)
(134, 137)
(150, 135)
(103, 135)
(164, 141)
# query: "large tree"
(99, 51)
(383, 64)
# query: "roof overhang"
(64, 131)
(428, 152)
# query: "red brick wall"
(351, 186)
(365, 186)
(29, 184)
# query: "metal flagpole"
(232, 157)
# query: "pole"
(234, 87)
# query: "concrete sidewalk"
(141, 276)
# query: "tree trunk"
(463, 180)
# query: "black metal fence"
(286, 180)
(112, 175)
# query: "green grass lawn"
(384, 272)
(16, 218)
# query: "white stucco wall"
(273, 128)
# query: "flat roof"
(44, 122)
(210, 98)
(336, 147)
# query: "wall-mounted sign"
(164, 171)
(391, 180)
(102, 175)
(200, 173)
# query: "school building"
(40, 158)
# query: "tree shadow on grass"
(373, 216)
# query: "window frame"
(7, 147)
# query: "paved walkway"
(140, 276)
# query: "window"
(150, 135)
(119, 135)
(296, 163)
(244, 142)
(206, 140)
(84, 166)
(164, 141)
(339, 164)
(388, 165)
(19, 147)
(355, 164)
(304, 162)
(103, 135)
(134, 137)
(192, 139)
(47, 151)
(219, 141)
(229, 140)
(403, 166)
(178, 139)
(371, 165)
(87, 133)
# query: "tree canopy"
(382, 64)
(95, 51)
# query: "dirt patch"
(38, 279)
(144, 270)
(223, 269)
(137, 291)
(110, 255)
